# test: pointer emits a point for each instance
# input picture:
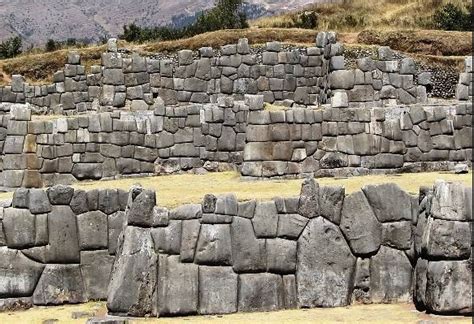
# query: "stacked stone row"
(382, 82)
(464, 87)
(302, 76)
(40, 153)
(335, 141)
(321, 249)
(58, 240)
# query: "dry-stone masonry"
(304, 76)
(242, 135)
(321, 249)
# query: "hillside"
(93, 19)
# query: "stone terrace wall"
(328, 142)
(305, 76)
(321, 249)
(168, 139)
(464, 87)
(233, 135)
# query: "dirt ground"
(396, 313)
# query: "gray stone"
(140, 212)
(386, 199)
(108, 200)
(63, 236)
(390, 276)
(227, 205)
(214, 245)
(190, 230)
(248, 253)
(309, 199)
(361, 292)
(79, 202)
(209, 203)
(60, 195)
(96, 267)
(18, 274)
(60, 284)
(87, 171)
(449, 287)
(92, 227)
(260, 292)
(217, 290)
(325, 266)
(281, 256)
(397, 234)
(190, 211)
(177, 288)
(420, 282)
(38, 202)
(330, 202)
(265, 220)
(340, 99)
(168, 239)
(450, 202)
(116, 223)
(342, 79)
(134, 275)
(290, 226)
(19, 228)
(246, 209)
(447, 239)
(360, 226)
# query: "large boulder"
(177, 287)
(309, 199)
(260, 292)
(133, 279)
(452, 201)
(281, 256)
(248, 253)
(325, 266)
(360, 226)
(330, 202)
(447, 239)
(19, 227)
(96, 267)
(388, 202)
(140, 211)
(18, 274)
(214, 246)
(217, 290)
(290, 226)
(92, 228)
(265, 220)
(390, 276)
(60, 284)
(63, 236)
(449, 287)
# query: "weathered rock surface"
(214, 245)
(96, 267)
(217, 290)
(386, 199)
(324, 276)
(60, 284)
(290, 226)
(447, 239)
(265, 220)
(449, 287)
(177, 288)
(390, 276)
(260, 292)
(134, 274)
(360, 226)
(18, 274)
(248, 253)
(140, 212)
(309, 199)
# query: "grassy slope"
(175, 190)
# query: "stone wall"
(464, 87)
(304, 76)
(351, 141)
(233, 135)
(42, 152)
(321, 249)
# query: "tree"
(51, 45)
(453, 17)
(11, 47)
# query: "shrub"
(51, 45)
(306, 20)
(11, 47)
(452, 17)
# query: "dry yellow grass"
(175, 190)
(356, 15)
(386, 314)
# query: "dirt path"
(387, 314)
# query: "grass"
(384, 313)
(175, 190)
(357, 15)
